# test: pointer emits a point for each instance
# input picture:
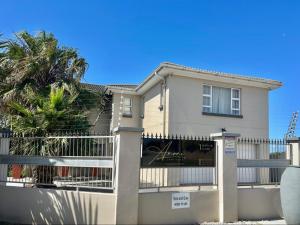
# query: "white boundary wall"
(259, 203)
(156, 208)
(45, 206)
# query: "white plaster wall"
(185, 116)
(153, 116)
(44, 206)
(156, 208)
(117, 110)
(259, 203)
(127, 175)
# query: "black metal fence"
(172, 161)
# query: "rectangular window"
(221, 100)
(127, 106)
(207, 98)
(235, 101)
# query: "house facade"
(179, 100)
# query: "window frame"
(130, 106)
(210, 96)
(236, 99)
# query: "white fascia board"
(230, 79)
(165, 69)
(150, 80)
(121, 90)
(149, 84)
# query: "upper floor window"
(235, 101)
(127, 106)
(221, 100)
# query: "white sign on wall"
(180, 200)
(229, 145)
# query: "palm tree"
(45, 115)
(48, 114)
(40, 89)
(35, 62)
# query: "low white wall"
(156, 208)
(259, 203)
(44, 206)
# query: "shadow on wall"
(66, 208)
(44, 206)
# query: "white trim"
(73, 161)
(208, 96)
(130, 106)
(122, 91)
(166, 69)
(231, 99)
(235, 99)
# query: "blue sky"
(123, 41)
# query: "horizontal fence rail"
(177, 161)
(261, 161)
(59, 161)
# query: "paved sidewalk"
(263, 222)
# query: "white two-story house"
(180, 100)
(184, 101)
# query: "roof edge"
(269, 83)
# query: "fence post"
(4, 150)
(128, 151)
(227, 175)
(294, 151)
